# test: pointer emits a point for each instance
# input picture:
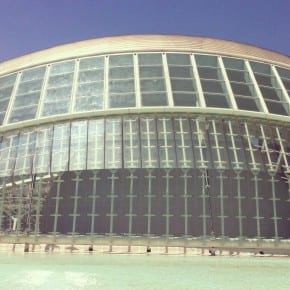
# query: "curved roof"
(135, 43)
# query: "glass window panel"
(123, 86)
(235, 146)
(3, 105)
(182, 85)
(206, 60)
(5, 93)
(286, 84)
(270, 93)
(217, 141)
(131, 143)
(209, 73)
(180, 72)
(96, 154)
(60, 148)
(233, 63)
(183, 143)
(216, 100)
(91, 63)
(2, 116)
(241, 89)
(154, 99)
(151, 85)
(26, 100)
(276, 108)
(238, 76)
(53, 95)
(121, 60)
(89, 103)
(283, 72)
(7, 81)
(8, 151)
(62, 67)
(43, 149)
(55, 108)
(200, 142)
(260, 67)
(122, 101)
(25, 153)
(265, 80)
(212, 86)
(184, 99)
(28, 87)
(113, 149)
(148, 143)
(33, 74)
(149, 59)
(90, 76)
(247, 104)
(166, 143)
(150, 71)
(78, 145)
(90, 89)
(60, 80)
(121, 73)
(22, 114)
(178, 59)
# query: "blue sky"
(31, 25)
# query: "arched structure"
(147, 135)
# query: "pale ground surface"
(111, 271)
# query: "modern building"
(146, 135)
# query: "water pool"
(112, 271)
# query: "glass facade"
(83, 167)
(157, 175)
(142, 80)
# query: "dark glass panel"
(206, 60)
(184, 99)
(269, 93)
(209, 73)
(233, 63)
(286, 84)
(247, 104)
(180, 72)
(178, 59)
(241, 89)
(237, 76)
(182, 85)
(264, 80)
(212, 86)
(260, 67)
(216, 100)
(276, 108)
(154, 99)
(283, 72)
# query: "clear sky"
(30, 25)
